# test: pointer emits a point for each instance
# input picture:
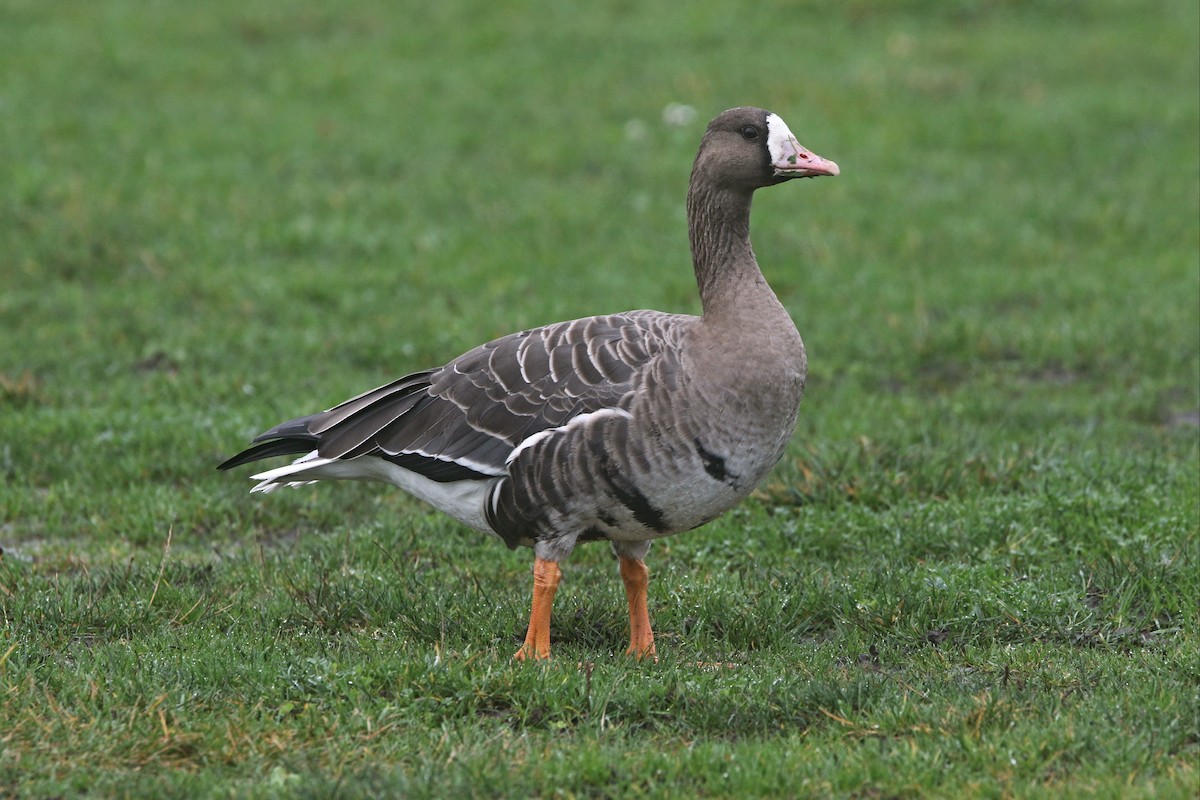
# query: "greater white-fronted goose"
(625, 427)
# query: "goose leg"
(545, 583)
(637, 580)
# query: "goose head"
(748, 148)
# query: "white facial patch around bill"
(779, 135)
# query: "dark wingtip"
(279, 447)
(285, 439)
(292, 429)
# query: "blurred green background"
(217, 216)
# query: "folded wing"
(463, 420)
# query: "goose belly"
(637, 475)
(693, 482)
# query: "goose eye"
(749, 133)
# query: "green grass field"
(976, 572)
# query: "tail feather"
(272, 479)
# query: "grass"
(975, 572)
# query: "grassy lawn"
(976, 572)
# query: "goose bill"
(789, 158)
(797, 161)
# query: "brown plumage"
(625, 427)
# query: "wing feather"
(465, 419)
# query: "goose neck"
(719, 230)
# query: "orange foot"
(546, 575)
(637, 581)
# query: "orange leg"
(637, 580)
(545, 583)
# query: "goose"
(624, 427)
